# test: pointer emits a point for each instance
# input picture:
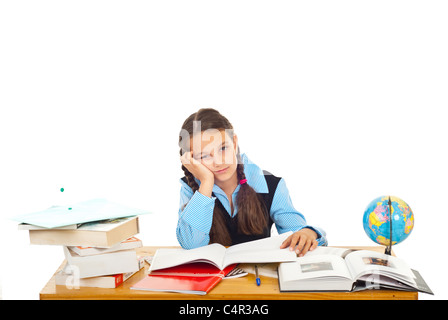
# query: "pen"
(257, 278)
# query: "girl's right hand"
(199, 171)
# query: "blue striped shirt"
(196, 210)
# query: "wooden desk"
(243, 288)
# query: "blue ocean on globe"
(376, 220)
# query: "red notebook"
(193, 278)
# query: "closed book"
(103, 234)
(102, 264)
(130, 243)
(194, 278)
(68, 277)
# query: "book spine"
(119, 279)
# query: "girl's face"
(217, 151)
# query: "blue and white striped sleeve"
(287, 218)
(195, 218)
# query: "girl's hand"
(305, 240)
(200, 172)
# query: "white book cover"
(103, 264)
(68, 277)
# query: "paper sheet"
(91, 210)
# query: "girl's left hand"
(305, 240)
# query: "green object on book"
(86, 211)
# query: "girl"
(225, 198)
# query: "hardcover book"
(337, 269)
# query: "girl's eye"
(206, 156)
(224, 148)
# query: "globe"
(376, 220)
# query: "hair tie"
(243, 181)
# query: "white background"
(344, 99)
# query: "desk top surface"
(243, 288)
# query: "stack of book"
(100, 267)
(97, 239)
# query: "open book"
(337, 269)
(264, 250)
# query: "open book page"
(263, 250)
(365, 262)
(371, 281)
(341, 252)
(317, 266)
(166, 258)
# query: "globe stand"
(389, 247)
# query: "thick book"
(103, 264)
(337, 269)
(130, 243)
(103, 234)
(195, 278)
(68, 277)
(258, 251)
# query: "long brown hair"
(252, 215)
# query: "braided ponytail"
(252, 212)
(190, 178)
